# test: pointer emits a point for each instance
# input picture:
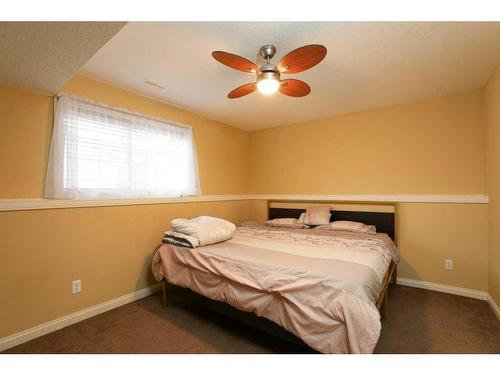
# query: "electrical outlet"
(76, 286)
(448, 264)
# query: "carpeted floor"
(419, 321)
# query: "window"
(101, 152)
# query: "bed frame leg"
(386, 303)
(383, 310)
(395, 276)
(164, 296)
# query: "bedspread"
(319, 285)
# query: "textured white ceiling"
(42, 56)
(369, 64)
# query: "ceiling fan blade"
(302, 58)
(242, 90)
(235, 62)
(294, 87)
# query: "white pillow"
(350, 226)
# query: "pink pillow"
(317, 215)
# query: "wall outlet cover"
(448, 264)
(76, 286)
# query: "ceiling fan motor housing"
(269, 71)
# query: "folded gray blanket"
(180, 239)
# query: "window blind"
(102, 152)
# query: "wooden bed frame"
(387, 221)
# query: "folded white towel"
(207, 229)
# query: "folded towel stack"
(199, 231)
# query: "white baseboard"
(54, 325)
(494, 306)
(472, 293)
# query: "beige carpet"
(419, 321)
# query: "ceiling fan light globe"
(268, 82)
(268, 86)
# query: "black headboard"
(384, 221)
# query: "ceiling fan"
(269, 75)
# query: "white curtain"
(101, 152)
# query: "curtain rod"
(138, 114)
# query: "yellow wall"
(429, 147)
(492, 119)
(108, 248)
(25, 129)
(434, 146)
(430, 233)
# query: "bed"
(327, 288)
